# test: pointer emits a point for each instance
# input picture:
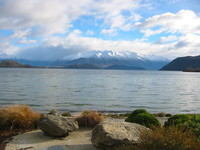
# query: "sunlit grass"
(170, 138)
(18, 117)
(89, 118)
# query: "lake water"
(103, 90)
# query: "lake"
(103, 90)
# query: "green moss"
(67, 114)
(141, 116)
(146, 119)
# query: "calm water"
(102, 90)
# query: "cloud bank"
(48, 30)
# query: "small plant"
(143, 117)
(161, 114)
(67, 114)
(53, 112)
(18, 117)
(134, 114)
(170, 138)
(89, 118)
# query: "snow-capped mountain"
(114, 55)
(108, 58)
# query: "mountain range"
(101, 59)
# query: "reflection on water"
(103, 90)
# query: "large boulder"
(57, 125)
(109, 135)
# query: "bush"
(67, 114)
(142, 117)
(170, 138)
(147, 120)
(134, 114)
(178, 120)
(18, 117)
(187, 121)
(89, 118)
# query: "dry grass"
(18, 117)
(166, 139)
(89, 118)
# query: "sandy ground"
(36, 140)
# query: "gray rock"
(109, 135)
(57, 125)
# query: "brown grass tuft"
(18, 117)
(169, 138)
(89, 118)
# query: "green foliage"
(141, 116)
(146, 119)
(67, 114)
(134, 114)
(186, 121)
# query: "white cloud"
(167, 39)
(90, 32)
(185, 21)
(49, 17)
(26, 41)
(58, 47)
(110, 32)
(7, 48)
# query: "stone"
(56, 125)
(109, 135)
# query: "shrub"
(89, 118)
(147, 120)
(142, 117)
(170, 138)
(18, 117)
(134, 114)
(187, 121)
(178, 120)
(67, 114)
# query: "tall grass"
(171, 138)
(18, 117)
(89, 118)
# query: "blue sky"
(52, 29)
